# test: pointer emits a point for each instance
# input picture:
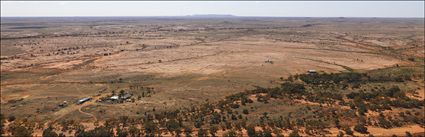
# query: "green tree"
(173, 125)
(340, 134)
(361, 107)
(121, 93)
(1, 124)
(267, 133)
(337, 123)
(150, 128)
(383, 122)
(122, 132)
(61, 135)
(251, 131)
(48, 132)
(361, 128)
(293, 88)
(96, 132)
(188, 132)
(348, 130)
(408, 134)
(11, 118)
(20, 131)
(134, 131)
(245, 111)
(202, 133)
(294, 133)
(213, 130)
(230, 133)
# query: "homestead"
(113, 99)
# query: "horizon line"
(212, 16)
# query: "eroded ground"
(45, 61)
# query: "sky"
(404, 9)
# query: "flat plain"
(181, 64)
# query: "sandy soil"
(65, 65)
(186, 61)
(400, 131)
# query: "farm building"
(81, 101)
(312, 71)
(114, 98)
(126, 96)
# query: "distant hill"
(212, 16)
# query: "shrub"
(293, 88)
(48, 132)
(245, 111)
(20, 131)
(251, 131)
(202, 133)
(348, 131)
(97, 132)
(340, 134)
(231, 133)
(361, 128)
(11, 118)
(294, 133)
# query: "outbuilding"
(126, 96)
(312, 71)
(114, 98)
(81, 101)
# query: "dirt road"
(74, 107)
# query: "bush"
(293, 88)
(150, 128)
(202, 133)
(20, 131)
(122, 132)
(48, 132)
(267, 133)
(383, 122)
(408, 134)
(294, 133)
(350, 77)
(361, 128)
(11, 118)
(251, 131)
(245, 111)
(394, 92)
(348, 131)
(231, 133)
(97, 132)
(188, 132)
(340, 134)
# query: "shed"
(81, 101)
(312, 71)
(114, 98)
(126, 96)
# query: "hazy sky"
(240, 8)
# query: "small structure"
(269, 61)
(121, 98)
(63, 104)
(312, 71)
(125, 96)
(81, 101)
(114, 98)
